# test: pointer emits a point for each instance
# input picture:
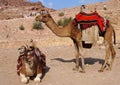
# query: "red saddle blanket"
(87, 20)
(38, 54)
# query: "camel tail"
(114, 35)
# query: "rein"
(30, 54)
(26, 54)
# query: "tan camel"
(76, 36)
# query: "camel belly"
(29, 71)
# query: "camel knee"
(113, 53)
(23, 78)
(37, 78)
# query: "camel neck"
(61, 32)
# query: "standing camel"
(76, 35)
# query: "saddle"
(88, 14)
(41, 57)
(87, 20)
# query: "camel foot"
(76, 68)
(24, 80)
(83, 71)
(100, 70)
(108, 69)
(37, 79)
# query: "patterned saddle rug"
(37, 53)
(88, 20)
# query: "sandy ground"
(60, 62)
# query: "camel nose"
(38, 18)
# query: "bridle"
(26, 54)
(30, 56)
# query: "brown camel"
(76, 35)
(31, 63)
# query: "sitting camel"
(76, 35)
(31, 64)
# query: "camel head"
(22, 50)
(43, 16)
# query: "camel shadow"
(44, 73)
(89, 61)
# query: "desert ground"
(60, 53)
(60, 62)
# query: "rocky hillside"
(10, 9)
(18, 3)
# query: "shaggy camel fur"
(76, 36)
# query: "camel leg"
(106, 57)
(82, 57)
(39, 74)
(76, 68)
(108, 36)
(113, 56)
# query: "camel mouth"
(36, 19)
